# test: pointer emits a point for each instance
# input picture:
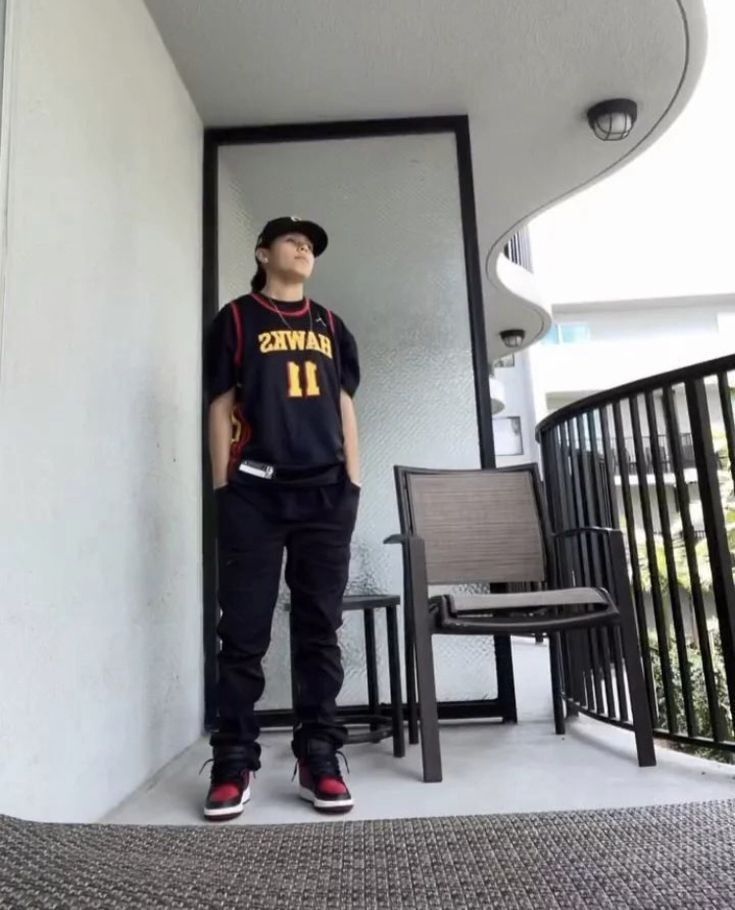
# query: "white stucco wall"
(100, 641)
(237, 230)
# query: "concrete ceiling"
(524, 71)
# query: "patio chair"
(474, 527)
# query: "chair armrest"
(397, 538)
(410, 543)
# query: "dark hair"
(257, 282)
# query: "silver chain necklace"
(283, 318)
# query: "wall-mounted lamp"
(613, 120)
(513, 338)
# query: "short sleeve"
(220, 345)
(349, 359)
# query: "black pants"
(314, 527)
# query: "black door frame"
(214, 138)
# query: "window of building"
(568, 333)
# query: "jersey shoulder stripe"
(239, 333)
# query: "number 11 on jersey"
(310, 375)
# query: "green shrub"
(702, 719)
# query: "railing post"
(671, 420)
(640, 608)
(657, 603)
(657, 457)
(714, 524)
(552, 480)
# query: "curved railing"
(656, 458)
(518, 249)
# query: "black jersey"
(288, 363)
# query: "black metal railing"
(656, 459)
(518, 249)
(631, 455)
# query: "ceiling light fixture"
(613, 120)
(513, 338)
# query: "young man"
(281, 371)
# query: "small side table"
(379, 725)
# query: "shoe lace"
(324, 764)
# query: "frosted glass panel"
(394, 271)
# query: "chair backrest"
(478, 525)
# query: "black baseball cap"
(294, 225)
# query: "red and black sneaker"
(228, 792)
(320, 779)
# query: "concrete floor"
(488, 768)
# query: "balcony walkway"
(488, 768)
